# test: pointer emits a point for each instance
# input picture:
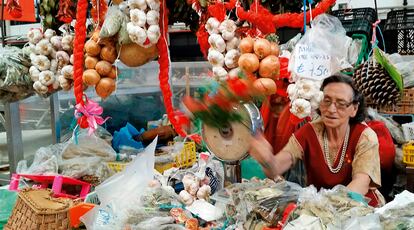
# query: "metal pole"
(376, 8)
(3, 31)
(54, 117)
(14, 134)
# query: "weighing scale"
(230, 144)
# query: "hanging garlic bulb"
(227, 29)
(212, 26)
(136, 34)
(63, 59)
(316, 99)
(219, 72)
(67, 71)
(153, 17)
(232, 44)
(215, 58)
(64, 83)
(292, 91)
(53, 65)
(49, 33)
(43, 47)
(67, 42)
(153, 4)
(234, 73)
(138, 17)
(56, 42)
(217, 42)
(41, 62)
(137, 4)
(306, 88)
(153, 33)
(47, 77)
(34, 73)
(40, 88)
(34, 36)
(301, 108)
(231, 59)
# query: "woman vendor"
(337, 148)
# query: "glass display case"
(35, 122)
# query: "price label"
(312, 64)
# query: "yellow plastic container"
(185, 159)
(408, 153)
(117, 166)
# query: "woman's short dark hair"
(358, 98)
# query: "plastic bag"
(45, 162)
(84, 145)
(8, 199)
(82, 166)
(326, 37)
(113, 21)
(354, 51)
(125, 137)
(369, 222)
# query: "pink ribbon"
(92, 111)
(374, 31)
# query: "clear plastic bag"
(84, 145)
(326, 37)
(82, 166)
(113, 21)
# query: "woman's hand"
(262, 152)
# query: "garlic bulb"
(49, 33)
(47, 77)
(316, 99)
(153, 33)
(227, 29)
(56, 42)
(301, 108)
(63, 59)
(194, 188)
(306, 88)
(216, 58)
(67, 71)
(187, 180)
(231, 59)
(232, 44)
(40, 88)
(138, 17)
(52, 54)
(41, 62)
(32, 57)
(43, 47)
(53, 65)
(234, 73)
(67, 42)
(153, 4)
(34, 36)
(137, 4)
(72, 59)
(153, 17)
(292, 91)
(34, 73)
(29, 48)
(136, 34)
(64, 83)
(212, 26)
(186, 197)
(204, 192)
(217, 42)
(219, 72)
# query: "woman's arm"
(272, 165)
(360, 183)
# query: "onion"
(113, 73)
(90, 62)
(90, 77)
(261, 48)
(134, 55)
(103, 68)
(265, 86)
(248, 62)
(274, 49)
(246, 45)
(105, 87)
(108, 53)
(92, 48)
(269, 67)
(95, 36)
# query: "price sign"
(311, 64)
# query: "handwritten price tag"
(311, 64)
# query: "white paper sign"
(312, 64)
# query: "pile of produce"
(99, 69)
(52, 60)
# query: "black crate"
(357, 21)
(399, 32)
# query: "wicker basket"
(404, 106)
(38, 210)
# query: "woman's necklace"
(327, 155)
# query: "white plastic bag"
(322, 51)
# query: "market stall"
(248, 141)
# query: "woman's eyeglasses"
(341, 105)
